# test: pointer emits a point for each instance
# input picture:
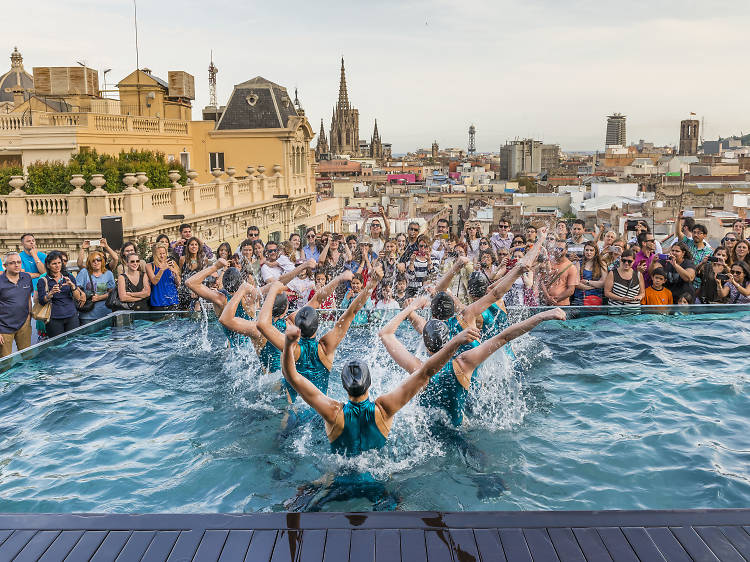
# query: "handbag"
(114, 303)
(42, 312)
(88, 304)
(592, 300)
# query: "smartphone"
(712, 259)
(512, 263)
(722, 277)
(62, 280)
(614, 249)
(93, 242)
(663, 257)
(445, 236)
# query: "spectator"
(275, 265)
(253, 234)
(503, 238)
(740, 253)
(657, 293)
(186, 233)
(472, 237)
(377, 234)
(486, 246)
(737, 288)
(440, 245)
(683, 228)
(400, 291)
(738, 227)
(133, 286)
(624, 286)
(521, 292)
(386, 300)
(127, 249)
(530, 233)
(321, 280)
(400, 244)
(561, 230)
(297, 256)
(680, 269)
(33, 260)
(164, 277)
(486, 263)
(97, 282)
(641, 227)
(59, 288)
(357, 286)
(16, 289)
(411, 242)
(299, 289)
(713, 271)
(419, 267)
(563, 277)
(605, 240)
(101, 245)
(311, 250)
(645, 259)
(611, 257)
(577, 237)
(519, 241)
(729, 242)
(698, 246)
(592, 275)
(191, 262)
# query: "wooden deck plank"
(514, 545)
(642, 543)
(739, 539)
(693, 544)
(362, 546)
(387, 545)
(261, 546)
(592, 545)
(161, 546)
(211, 544)
(540, 545)
(287, 546)
(136, 546)
(111, 546)
(186, 545)
(465, 545)
(719, 544)
(668, 544)
(489, 545)
(61, 546)
(15, 543)
(36, 546)
(236, 546)
(4, 534)
(566, 545)
(617, 545)
(337, 545)
(413, 547)
(439, 545)
(86, 546)
(313, 545)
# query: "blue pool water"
(598, 413)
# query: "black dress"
(131, 288)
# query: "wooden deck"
(708, 535)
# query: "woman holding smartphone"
(164, 276)
(59, 288)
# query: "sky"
(427, 69)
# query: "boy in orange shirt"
(657, 293)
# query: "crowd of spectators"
(576, 268)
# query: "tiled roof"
(257, 104)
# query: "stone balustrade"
(95, 122)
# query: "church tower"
(321, 149)
(376, 145)
(344, 137)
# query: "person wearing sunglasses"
(625, 287)
(729, 242)
(310, 249)
(736, 289)
(412, 245)
(276, 264)
(503, 238)
(16, 290)
(133, 286)
(96, 282)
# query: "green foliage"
(5, 173)
(528, 183)
(54, 177)
(143, 247)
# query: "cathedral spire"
(343, 95)
(322, 134)
(375, 135)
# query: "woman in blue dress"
(164, 276)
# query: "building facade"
(527, 157)
(616, 130)
(689, 129)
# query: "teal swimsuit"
(310, 366)
(235, 339)
(494, 321)
(444, 391)
(360, 431)
(454, 328)
(270, 355)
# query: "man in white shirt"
(276, 265)
(377, 235)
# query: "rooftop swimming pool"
(644, 412)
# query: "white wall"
(615, 189)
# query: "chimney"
(18, 98)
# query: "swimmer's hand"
(347, 276)
(378, 273)
(221, 263)
(419, 303)
(462, 260)
(245, 288)
(556, 314)
(292, 333)
(277, 287)
(469, 335)
(311, 263)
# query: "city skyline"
(536, 70)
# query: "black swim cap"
(435, 335)
(280, 304)
(355, 376)
(478, 284)
(307, 321)
(442, 306)
(231, 280)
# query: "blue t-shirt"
(29, 265)
(14, 302)
(99, 285)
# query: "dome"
(15, 77)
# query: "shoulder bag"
(42, 312)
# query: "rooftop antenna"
(137, 61)
(212, 71)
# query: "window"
(275, 236)
(216, 160)
(185, 160)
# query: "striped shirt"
(626, 288)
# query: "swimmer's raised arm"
(328, 408)
(289, 275)
(265, 318)
(445, 281)
(396, 399)
(393, 345)
(320, 296)
(472, 358)
(232, 322)
(195, 284)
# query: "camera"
(663, 257)
(722, 277)
(712, 259)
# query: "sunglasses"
(483, 243)
(627, 261)
(737, 272)
(134, 261)
(504, 227)
(272, 250)
(423, 245)
(96, 259)
(413, 230)
(730, 239)
(375, 225)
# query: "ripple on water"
(596, 413)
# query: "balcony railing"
(94, 122)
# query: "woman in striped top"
(624, 286)
(419, 267)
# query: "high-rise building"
(689, 137)
(344, 138)
(616, 133)
(527, 157)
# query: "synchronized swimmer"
(458, 339)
